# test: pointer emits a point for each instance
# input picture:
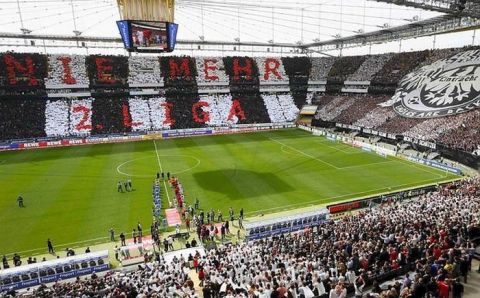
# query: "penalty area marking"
(305, 154)
(342, 168)
(419, 167)
(395, 187)
(285, 151)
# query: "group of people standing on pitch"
(137, 234)
(206, 223)
(124, 186)
(163, 175)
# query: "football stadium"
(220, 148)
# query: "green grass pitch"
(71, 195)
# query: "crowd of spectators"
(82, 117)
(321, 99)
(429, 234)
(21, 117)
(321, 67)
(265, 64)
(429, 237)
(397, 67)
(432, 129)
(107, 71)
(438, 54)
(148, 113)
(466, 136)
(370, 66)
(57, 118)
(76, 69)
(88, 116)
(332, 109)
(140, 112)
(253, 109)
(80, 111)
(457, 131)
(151, 70)
(362, 105)
(155, 279)
(66, 117)
(23, 74)
(215, 70)
(344, 67)
(218, 109)
(399, 124)
(280, 107)
(144, 71)
(110, 116)
(375, 117)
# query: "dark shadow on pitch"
(241, 184)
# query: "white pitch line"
(161, 170)
(306, 154)
(285, 151)
(325, 143)
(167, 155)
(366, 165)
(347, 167)
(131, 175)
(60, 245)
(411, 164)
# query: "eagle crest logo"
(446, 87)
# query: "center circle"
(173, 163)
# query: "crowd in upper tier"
(55, 71)
(428, 237)
(456, 131)
(369, 67)
(165, 94)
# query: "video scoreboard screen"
(148, 36)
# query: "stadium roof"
(229, 25)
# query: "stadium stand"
(218, 107)
(280, 107)
(457, 131)
(91, 95)
(432, 129)
(402, 219)
(370, 66)
(362, 104)
(465, 136)
(394, 69)
(298, 71)
(334, 108)
(344, 67)
(428, 237)
(76, 73)
(321, 68)
(107, 71)
(438, 54)
(398, 124)
(144, 71)
(25, 118)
